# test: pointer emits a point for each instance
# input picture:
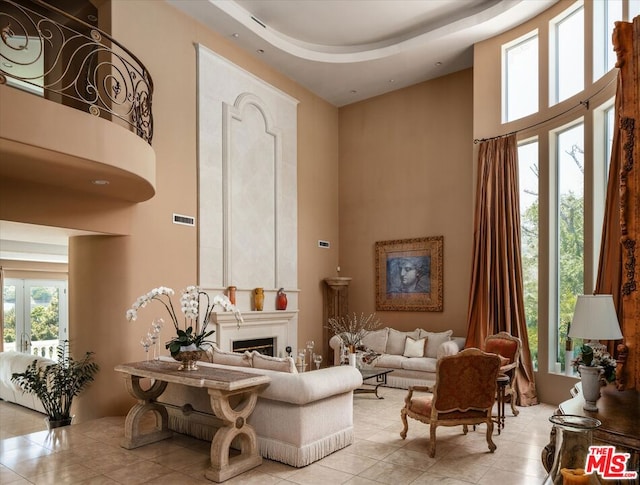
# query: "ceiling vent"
(184, 220)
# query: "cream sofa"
(299, 418)
(11, 362)
(413, 361)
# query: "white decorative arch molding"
(247, 157)
(251, 159)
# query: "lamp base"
(590, 378)
(590, 406)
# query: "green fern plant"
(55, 385)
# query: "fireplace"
(264, 346)
(280, 327)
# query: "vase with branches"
(351, 328)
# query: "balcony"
(76, 105)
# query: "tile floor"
(89, 453)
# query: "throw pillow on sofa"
(221, 357)
(396, 339)
(435, 339)
(414, 347)
(447, 348)
(281, 364)
(376, 340)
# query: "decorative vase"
(573, 436)
(57, 423)
(281, 300)
(189, 356)
(231, 294)
(258, 299)
(590, 377)
(352, 359)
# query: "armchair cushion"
(502, 347)
(422, 405)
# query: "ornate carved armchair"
(508, 349)
(464, 394)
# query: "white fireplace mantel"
(281, 325)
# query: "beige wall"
(406, 163)
(107, 273)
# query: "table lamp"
(594, 319)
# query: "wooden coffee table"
(377, 373)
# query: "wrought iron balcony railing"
(50, 53)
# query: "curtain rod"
(580, 103)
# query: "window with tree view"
(563, 158)
(569, 159)
(529, 176)
(35, 315)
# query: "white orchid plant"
(192, 332)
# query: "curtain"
(496, 300)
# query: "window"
(609, 127)
(605, 14)
(529, 177)
(520, 78)
(567, 55)
(35, 315)
(569, 228)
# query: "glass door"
(35, 315)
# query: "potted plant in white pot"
(57, 384)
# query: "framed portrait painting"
(409, 274)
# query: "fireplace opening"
(264, 346)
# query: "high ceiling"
(342, 50)
(349, 50)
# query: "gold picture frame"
(409, 275)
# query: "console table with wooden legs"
(221, 385)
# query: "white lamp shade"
(595, 318)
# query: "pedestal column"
(336, 304)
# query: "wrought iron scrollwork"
(69, 61)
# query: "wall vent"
(323, 244)
(184, 220)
